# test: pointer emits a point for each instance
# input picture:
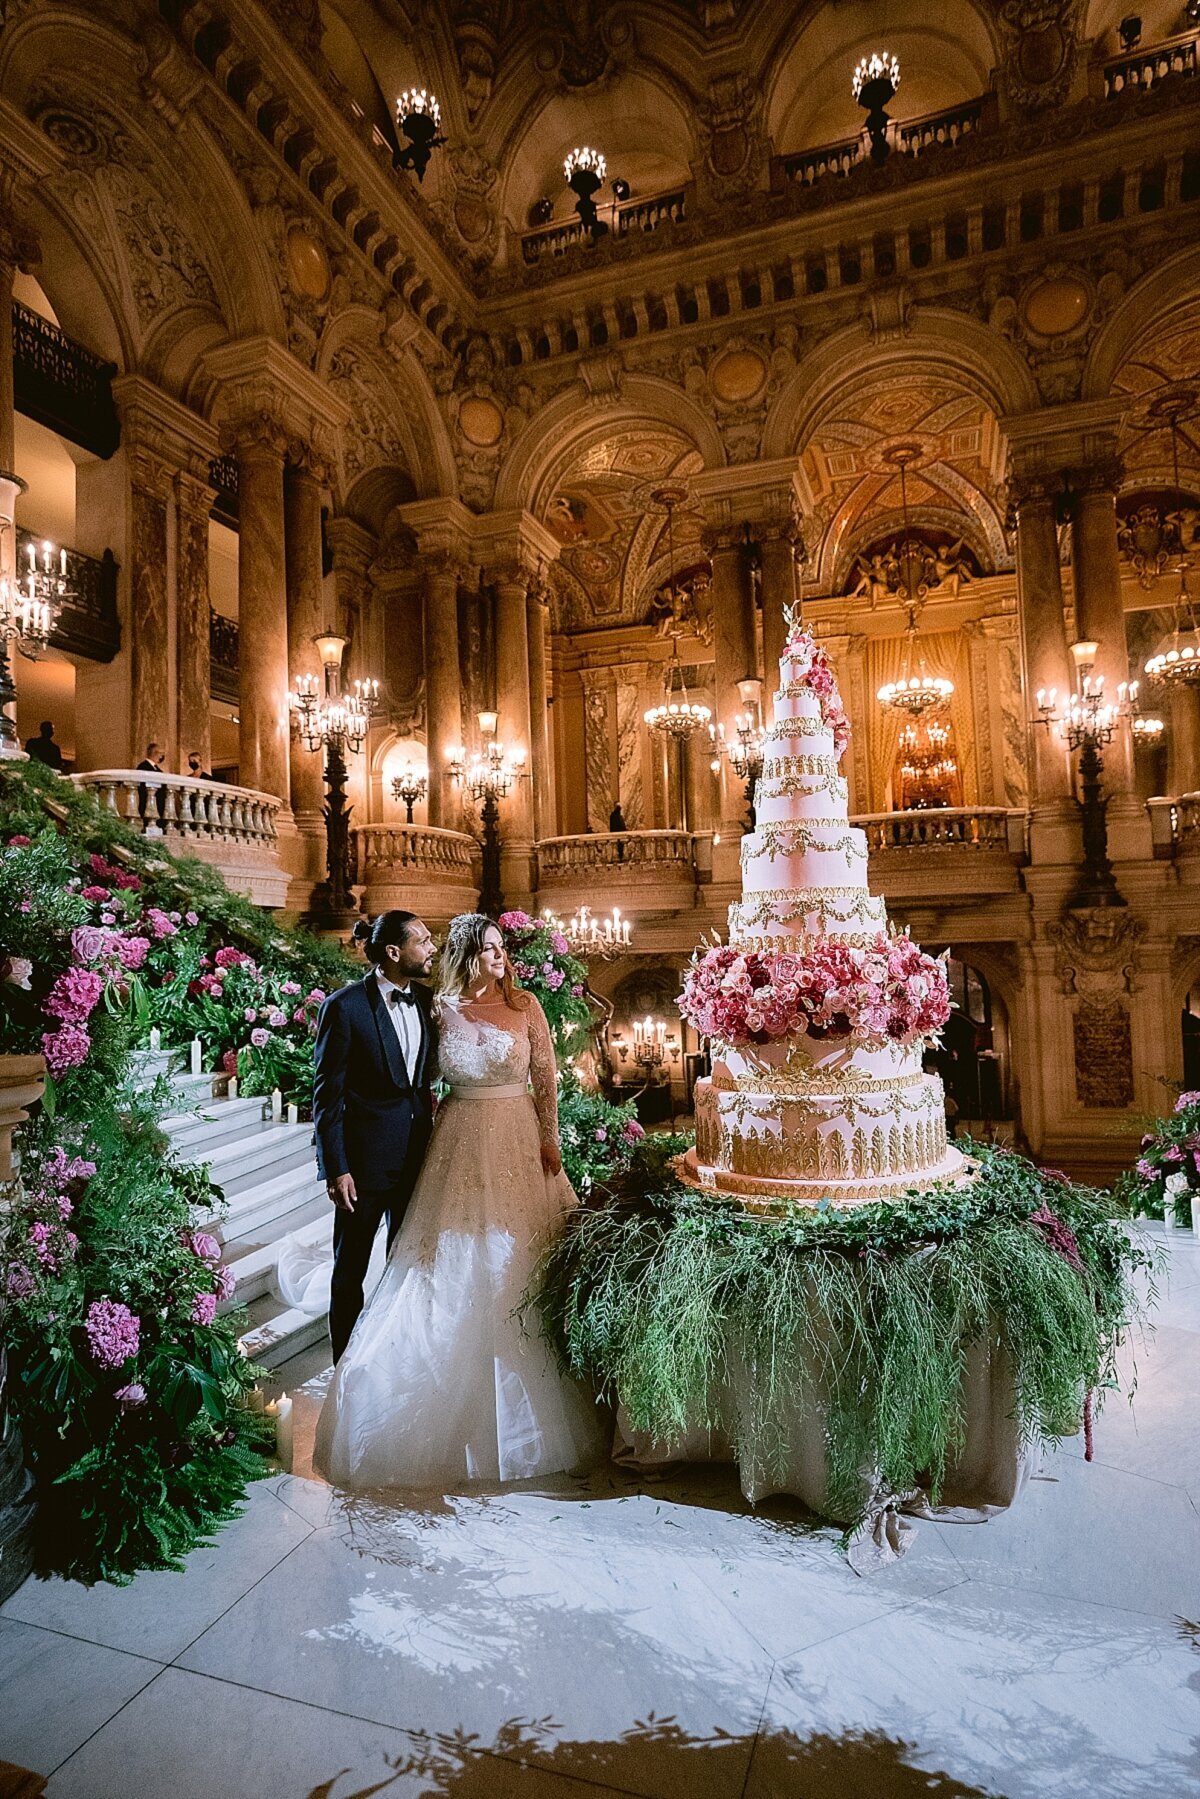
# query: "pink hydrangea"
(65, 1048)
(1186, 1101)
(97, 895)
(204, 1308)
(132, 952)
(577, 990)
(1146, 1169)
(21, 1281)
(514, 921)
(74, 995)
(260, 1038)
(113, 1332)
(192, 918)
(559, 944)
(230, 958)
(555, 979)
(159, 924)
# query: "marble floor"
(655, 1640)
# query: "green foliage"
(866, 1313)
(543, 964)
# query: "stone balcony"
(640, 871)
(945, 856)
(1175, 827)
(417, 868)
(233, 828)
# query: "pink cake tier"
(806, 1118)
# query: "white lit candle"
(283, 1432)
(276, 1105)
(155, 1039)
(197, 1055)
(232, 1089)
(293, 1112)
(254, 1399)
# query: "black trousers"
(354, 1235)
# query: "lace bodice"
(492, 1046)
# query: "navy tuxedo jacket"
(372, 1114)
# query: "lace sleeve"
(543, 1073)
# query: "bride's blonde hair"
(458, 967)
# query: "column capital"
(766, 495)
(193, 497)
(442, 528)
(513, 542)
(1055, 438)
(1103, 475)
(309, 462)
(256, 378)
(157, 429)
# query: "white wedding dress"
(441, 1382)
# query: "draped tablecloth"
(985, 1478)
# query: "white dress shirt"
(406, 1022)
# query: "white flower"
(20, 968)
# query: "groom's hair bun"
(375, 936)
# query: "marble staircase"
(268, 1174)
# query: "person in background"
(616, 822)
(43, 748)
(196, 767)
(152, 762)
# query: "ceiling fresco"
(600, 507)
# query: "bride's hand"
(551, 1160)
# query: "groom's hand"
(341, 1192)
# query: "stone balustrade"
(628, 217)
(1140, 70)
(417, 868)
(1175, 826)
(233, 828)
(641, 871)
(945, 853)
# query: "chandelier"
(1177, 659)
(31, 608)
(590, 937)
(489, 774)
(874, 83)
(585, 170)
(326, 717)
(917, 691)
(419, 117)
(676, 715)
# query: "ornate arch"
(394, 419)
(1151, 301)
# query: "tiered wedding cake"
(817, 1015)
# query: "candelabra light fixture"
(745, 749)
(1177, 660)
(917, 691)
(409, 786)
(419, 117)
(488, 776)
(649, 1044)
(585, 170)
(596, 939)
(337, 723)
(30, 599)
(874, 83)
(1086, 724)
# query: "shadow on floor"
(656, 1757)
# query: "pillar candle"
(276, 1105)
(293, 1114)
(197, 1053)
(233, 1087)
(155, 1039)
(283, 1432)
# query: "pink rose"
(260, 1038)
(192, 918)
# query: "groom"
(372, 1108)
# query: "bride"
(439, 1382)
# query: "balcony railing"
(915, 137)
(63, 385)
(1141, 70)
(642, 859)
(89, 623)
(1175, 825)
(231, 827)
(945, 854)
(418, 867)
(626, 218)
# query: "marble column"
(777, 549)
(193, 504)
(733, 654)
(1183, 741)
(260, 445)
(1099, 608)
(512, 693)
(1047, 660)
(150, 485)
(8, 269)
(302, 485)
(541, 766)
(443, 686)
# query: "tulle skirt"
(441, 1382)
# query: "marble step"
(194, 1134)
(259, 1215)
(259, 1156)
(252, 1258)
(274, 1332)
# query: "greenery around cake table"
(1166, 1176)
(654, 1294)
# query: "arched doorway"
(974, 1057)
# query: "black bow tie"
(402, 996)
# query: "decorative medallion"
(481, 421)
(308, 265)
(1056, 305)
(738, 376)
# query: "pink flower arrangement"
(113, 1332)
(514, 921)
(159, 924)
(812, 667)
(204, 1308)
(1186, 1101)
(74, 995)
(889, 992)
(68, 1047)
